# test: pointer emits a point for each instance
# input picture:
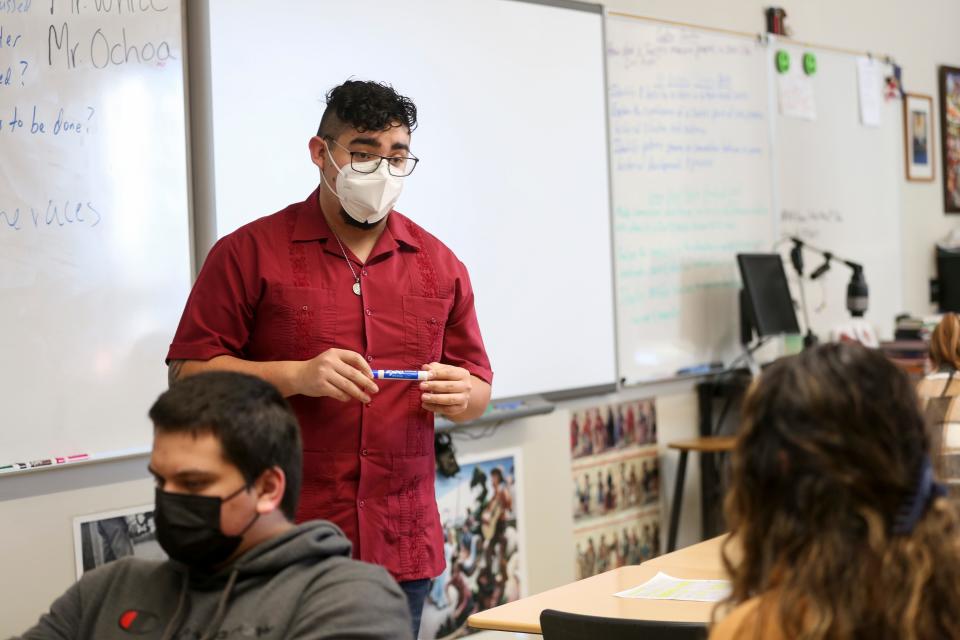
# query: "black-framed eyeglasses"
(366, 162)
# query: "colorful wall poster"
(616, 486)
(481, 516)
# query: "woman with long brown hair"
(945, 343)
(939, 393)
(838, 529)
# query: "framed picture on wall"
(918, 137)
(950, 135)
(103, 537)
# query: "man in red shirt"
(314, 297)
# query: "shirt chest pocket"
(424, 320)
(296, 323)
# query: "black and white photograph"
(103, 537)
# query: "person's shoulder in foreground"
(842, 529)
(226, 458)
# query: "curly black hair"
(366, 106)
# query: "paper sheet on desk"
(666, 587)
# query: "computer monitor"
(770, 308)
(948, 280)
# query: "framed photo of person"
(950, 136)
(100, 538)
(918, 137)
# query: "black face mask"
(188, 528)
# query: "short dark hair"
(255, 425)
(366, 106)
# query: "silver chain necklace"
(356, 278)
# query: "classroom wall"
(37, 551)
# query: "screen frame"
(746, 262)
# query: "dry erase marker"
(395, 374)
(77, 457)
(40, 463)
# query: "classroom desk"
(594, 595)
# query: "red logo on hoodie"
(138, 622)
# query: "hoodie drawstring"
(221, 606)
(178, 614)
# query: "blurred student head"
(945, 343)
(833, 502)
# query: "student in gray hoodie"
(227, 460)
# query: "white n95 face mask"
(366, 197)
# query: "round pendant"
(356, 288)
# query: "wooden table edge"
(667, 562)
(516, 628)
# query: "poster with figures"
(616, 486)
(481, 516)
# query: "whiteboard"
(94, 238)
(839, 189)
(692, 186)
(512, 140)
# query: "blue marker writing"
(394, 374)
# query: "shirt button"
(364, 272)
(369, 312)
(304, 307)
(369, 404)
(363, 452)
(362, 504)
(433, 321)
(369, 358)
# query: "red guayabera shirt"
(279, 288)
